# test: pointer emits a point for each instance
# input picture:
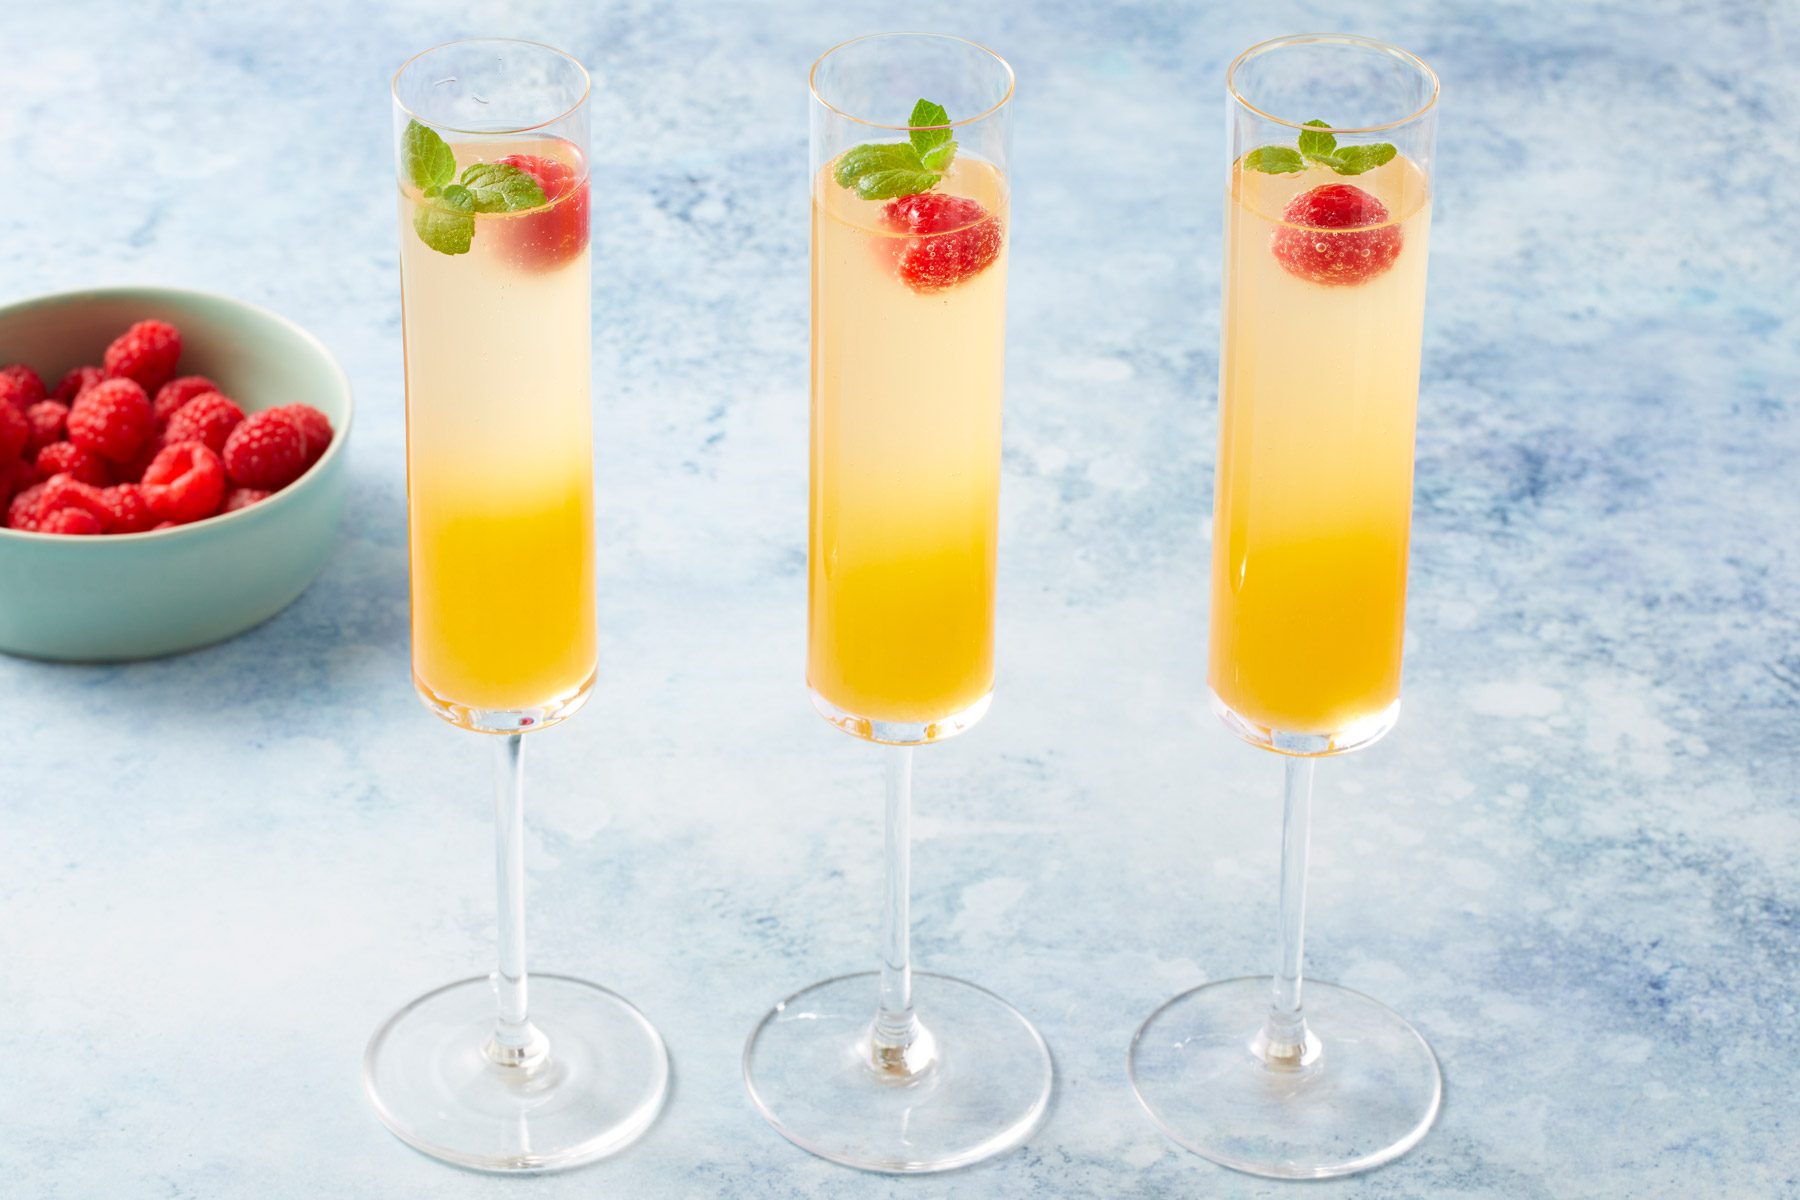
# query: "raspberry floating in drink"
(1336, 234)
(956, 238)
(545, 237)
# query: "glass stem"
(899, 1044)
(516, 1042)
(1285, 1041)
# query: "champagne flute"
(1328, 206)
(892, 1070)
(491, 146)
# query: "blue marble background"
(1576, 865)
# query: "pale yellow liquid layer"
(499, 466)
(1318, 390)
(905, 466)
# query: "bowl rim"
(119, 291)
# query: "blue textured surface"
(1576, 865)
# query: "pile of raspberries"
(98, 455)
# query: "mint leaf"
(446, 223)
(875, 156)
(500, 187)
(885, 185)
(1321, 147)
(927, 141)
(938, 157)
(429, 162)
(1354, 160)
(1318, 146)
(884, 170)
(1274, 160)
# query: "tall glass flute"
(491, 141)
(891, 1070)
(1328, 206)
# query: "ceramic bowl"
(140, 595)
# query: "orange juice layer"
(905, 465)
(1318, 388)
(499, 469)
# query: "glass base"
(902, 733)
(1365, 1098)
(810, 1071)
(601, 1084)
(1354, 736)
(554, 711)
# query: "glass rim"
(812, 81)
(587, 86)
(1333, 39)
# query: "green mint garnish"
(446, 222)
(1319, 145)
(1354, 160)
(1275, 160)
(446, 217)
(429, 162)
(935, 146)
(501, 187)
(884, 170)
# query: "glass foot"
(601, 1084)
(809, 1070)
(1368, 1097)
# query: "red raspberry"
(242, 497)
(23, 511)
(48, 420)
(66, 458)
(314, 424)
(15, 477)
(1307, 247)
(955, 238)
(146, 353)
(127, 509)
(66, 491)
(177, 392)
(76, 382)
(545, 237)
(112, 419)
(184, 483)
(209, 417)
(15, 432)
(75, 521)
(267, 451)
(15, 392)
(162, 525)
(25, 388)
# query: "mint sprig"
(884, 170)
(1319, 145)
(445, 220)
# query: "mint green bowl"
(140, 595)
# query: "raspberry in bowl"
(179, 472)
